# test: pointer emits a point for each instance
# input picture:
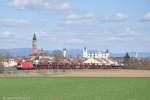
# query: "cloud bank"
(50, 5)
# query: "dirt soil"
(78, 73)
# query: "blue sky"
(117, 25)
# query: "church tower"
(34, 44)
(65, 52)
(85, 52)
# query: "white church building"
(98, 57)
(95, 54)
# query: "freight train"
(56, 65)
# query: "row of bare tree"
(3, 56)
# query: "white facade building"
(87, 54)
(96, 57)
(9, 63)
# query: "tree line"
(135, 63)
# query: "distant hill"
(74, 52)
(70, 52)
(19, 51)
(132, 54)
(3, 52)
(27, 51)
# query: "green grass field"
(69, 88)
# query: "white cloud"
(114, 18)
(42, 34)
(126, 34)
(119, 17)
(65, 6)
(51, 5)
(6, 34)
(147, 17)
(88, 18)
(80, 18)
(14, 22)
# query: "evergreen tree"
(126, 60)
(107, 51)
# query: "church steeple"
(34, 37)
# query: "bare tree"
(57, 54)
(4, 55)
(1, 67)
